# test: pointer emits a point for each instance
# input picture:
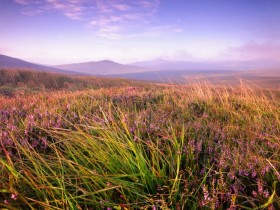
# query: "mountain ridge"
(12, 62)
(143, 69)
(162, 64)
(103, 67)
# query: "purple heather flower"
(254, 174)
(266, 193)
(199, 147)
(260, 187)
(14, 196)
(206, 195)
(246, 173)
(255, 194)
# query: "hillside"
(14, 81)
(103, 67)
(10, 62)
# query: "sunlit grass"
(174, 147)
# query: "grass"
(155, 147)
(18, 82)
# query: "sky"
(71, 31)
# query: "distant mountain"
(153, 70)
(10, 62)
(265, 77)
(104, 67)
(180, 76)
(161, 64)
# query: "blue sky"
(63, 31)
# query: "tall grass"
(179, 147)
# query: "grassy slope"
(178, 147)
(21, 81)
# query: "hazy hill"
(161, 64)
(10, 62)
(103, 67)
(180, 76)
(263, 78)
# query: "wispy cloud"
(72, 9)
(122, 15)
(108, 17)
(110, 32)
(23, 2)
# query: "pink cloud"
(121, 7)
(72, 9)
(149, 4)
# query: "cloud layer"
(108, 17)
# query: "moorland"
(84, 142)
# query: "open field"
(196, 146)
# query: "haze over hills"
(103, 67)
(162, 70)
(181, 76)
(10, 62)
(161, 64)
(264, 78)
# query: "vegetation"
(136, 147)
(22, 81)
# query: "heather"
(196, 146)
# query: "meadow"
(140, 146)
